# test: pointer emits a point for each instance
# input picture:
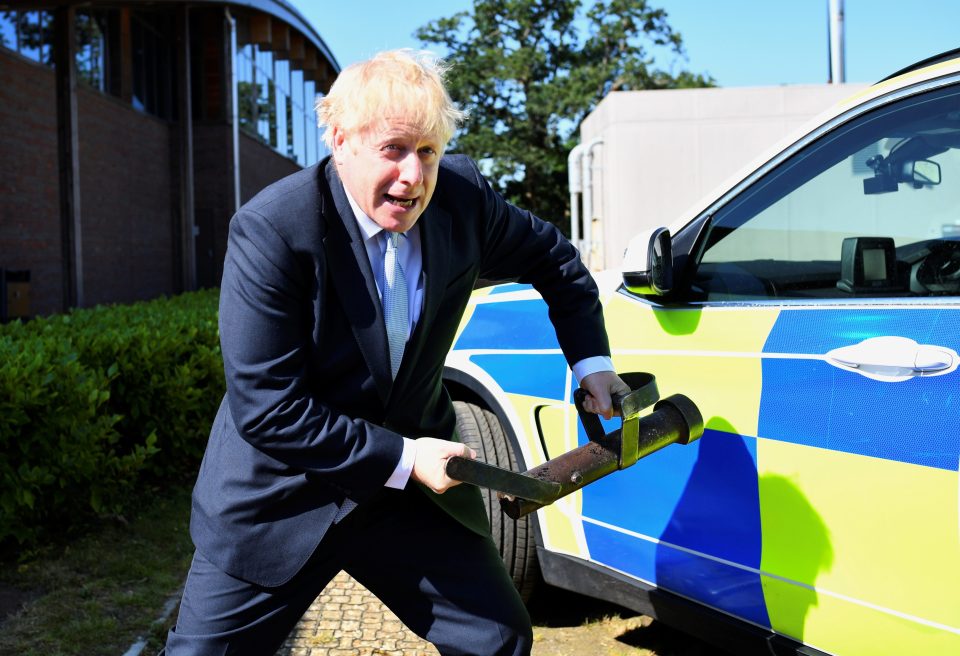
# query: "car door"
(816, 323)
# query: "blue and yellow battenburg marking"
(819, 503)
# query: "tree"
(529, 71)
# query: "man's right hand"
(429, 466)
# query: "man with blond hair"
(342, 290)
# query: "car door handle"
(892, 358)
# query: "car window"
(871, 209)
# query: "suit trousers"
(444, 581)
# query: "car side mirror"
(648, 263)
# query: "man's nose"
(411, 170)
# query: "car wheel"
(481, 430)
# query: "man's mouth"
(400, 202)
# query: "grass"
(103, 591)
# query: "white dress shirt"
(411, 259)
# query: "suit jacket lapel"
(349, 269)
(435, 248)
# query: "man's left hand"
(601, 386)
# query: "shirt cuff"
(588, 366)
(398, 479)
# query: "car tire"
(481, 430)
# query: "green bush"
(99, 402)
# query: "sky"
(738, 42)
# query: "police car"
(812, 313)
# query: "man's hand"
(431, 460)
(600, 386)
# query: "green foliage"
(98, 402)
(529, 71)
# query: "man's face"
(390, 169)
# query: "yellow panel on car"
(834, 625)
(633, 324)
(561, 522)
(713, 356)
(822, 512)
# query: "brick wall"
(260, 166)
(128, 199)
(213, 181)
(129, 191)
(29, 189)
(213, 193)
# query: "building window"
(281, 99)
(267, 112)
(298, 117)
(92, 47)
(28, 32)
(8, 29)
(152, 36)
(313, 133)
(276, 104)
(246, 89)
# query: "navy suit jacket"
(311, 415)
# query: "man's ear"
(339, 142)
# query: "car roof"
(929, 61)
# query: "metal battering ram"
(674, 419)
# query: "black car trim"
(724, 631)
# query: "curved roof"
(286, 12)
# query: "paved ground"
(347, 620)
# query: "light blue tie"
(394, 291)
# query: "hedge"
(100, 403)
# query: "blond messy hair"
(396, 83)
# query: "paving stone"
(347, 620)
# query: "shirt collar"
(368, 226)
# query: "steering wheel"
(940, 270)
